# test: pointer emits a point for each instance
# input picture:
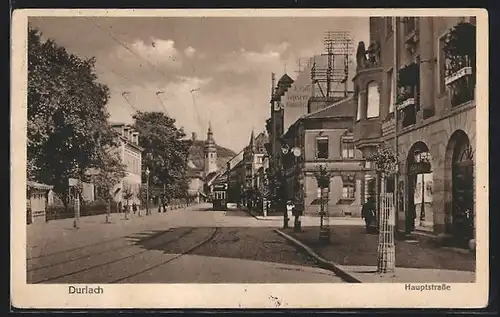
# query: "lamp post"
(147, 191)
(295, 152)
(76, 222)
(323, 180)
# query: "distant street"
(196, 245)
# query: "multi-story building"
(275, 129)
(325, 139)
(131, 155)
(253, 159)
(423, 68)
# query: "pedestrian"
(134, 207)
(368, 213)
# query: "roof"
(285, 79)
(37, 185)
(342, 108)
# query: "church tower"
(210, 152)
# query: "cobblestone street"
(193, 245)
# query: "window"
(392, 88)
(373, 107)
(388, 25)
(347, 148)
(441, 64)
(322, 147)
(348, 191)
(358, 115)
(410, 25)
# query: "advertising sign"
(426, 181)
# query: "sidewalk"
(309, 221)
(60, 234)
(352, 254)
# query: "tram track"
(191, 249)
(87, 268)
(189, 231)
(72, 259)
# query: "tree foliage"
(165, 152)
(111, 172)
(67, 125)
(323, 177)
(385, 159)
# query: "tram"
(219, 197)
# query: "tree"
(165, 152)
(67, 118)
(111, 172)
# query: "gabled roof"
(342, 108)
(285, 79)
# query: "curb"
(322, 262)
(255, 216)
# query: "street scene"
(251, 150)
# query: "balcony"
(367, 132)
(410, 28)
(406, 104)
(408, 93)
(460, 69)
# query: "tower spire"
(252, 139)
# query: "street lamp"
(147, 190)
(296, 152)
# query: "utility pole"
(395, 23)
(158, 93)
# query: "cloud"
(189, 52)
(156, 51)
(244, 61)
(224, 108)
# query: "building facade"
(275, 130)
(414, 66)
(253, 159)
(131, 154)
(325, 138)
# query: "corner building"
(434, 96)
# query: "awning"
(36, 185)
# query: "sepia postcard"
(249, 158)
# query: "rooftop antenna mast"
(338, 49)
(299, 66)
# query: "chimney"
(193, 136)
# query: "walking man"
(368, 213)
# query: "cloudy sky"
(227, 61)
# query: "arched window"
(358, 115)
(373, 104)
